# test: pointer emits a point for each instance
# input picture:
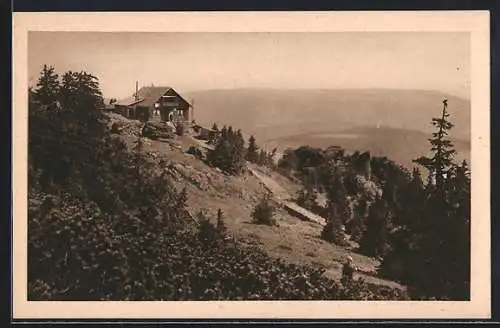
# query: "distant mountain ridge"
(392, 123)
(264, 110)
(400, 145)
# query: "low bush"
(77, 254)
(263, 212)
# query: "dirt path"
(272, 186)
(202, 143)
(285, 199)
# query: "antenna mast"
(192, 109)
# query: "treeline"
(231, 153)
(420, 230)
(102, 225)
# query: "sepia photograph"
(250, 166)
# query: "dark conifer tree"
(229, 151)
(262, 157)
(47, 88)
(307, 197)
(80, 91)
(252, 154)
(338, 207)
(441, 147)
(431, 250)
(356, 226)
(374, 241)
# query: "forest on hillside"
(419, 227)
(102, 225)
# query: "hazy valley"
(392, 123)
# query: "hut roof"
(148, 96)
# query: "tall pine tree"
(252, 154)
(47, 88)
(431, 253)
(374, 241)
(441, 147)
(338, 207)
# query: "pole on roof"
(136, 90)
(192, 109)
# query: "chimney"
(136, 90)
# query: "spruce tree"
(219, 155)
(229, 151)
(356, 226)
(262, 157)
(431, 251)
(252, 154)
(413, 200)
(307, 197)
(333, 230)
(270, 159)
(47, 88)
(445, 233)
(441, 148)
(80, 91)
(289, 161)
(374, 240)
(238, 158)
(457, 247)
(263, 213)
(337, 208)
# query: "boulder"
(196, 151)
(156, 130)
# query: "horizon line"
(187, 91)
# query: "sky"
(190, 61)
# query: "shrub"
(115, 129)
(196, 151)
(263, 212)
